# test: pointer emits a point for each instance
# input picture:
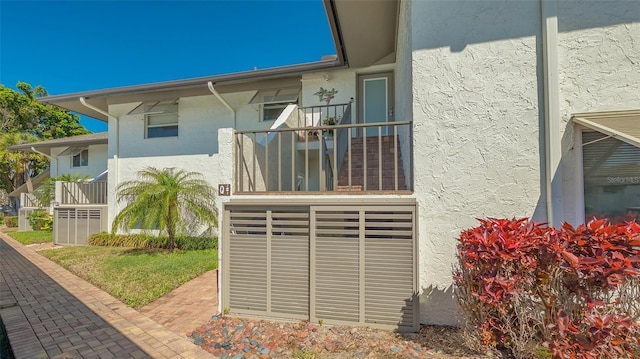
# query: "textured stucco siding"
(63, 164)
(599, 70)
(195, 149)
(476, 128)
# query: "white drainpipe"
(116, 174)
(552, 137)
(47, 156)
(225, 103)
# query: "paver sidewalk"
(70, 318)
(188, 306)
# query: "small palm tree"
(169, 200)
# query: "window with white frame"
(273, 102)
(80, 159)
(160, 118)
(611, 175)
(164, 124)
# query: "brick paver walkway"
(188, 306)
(70, 318)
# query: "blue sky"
(70, 46)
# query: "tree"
(23, 119)
(169, 200)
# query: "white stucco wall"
(476, 128)
(478, 112)
(195, 149)
(63, 164)
(599, 70)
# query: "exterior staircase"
(387, 152)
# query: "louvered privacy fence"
(74, 225)
(355, 265)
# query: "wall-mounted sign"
(224, 189)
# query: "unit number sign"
(224, 189)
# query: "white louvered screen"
(248, 261)
(363, 266)
(337, 269)
(289, 258)
(74, 225)
(389, 264)
(355, 265)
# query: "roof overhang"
(367, 29)
(288, 76)
(74, 141)
(623, 125)
(35, 183)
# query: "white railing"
(81, 193)
(29, 200)
(331, 158)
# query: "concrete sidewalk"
(51, 313)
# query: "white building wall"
(476, 133)
(599, 70)
(63, 164)
(195, 149)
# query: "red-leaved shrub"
(540, 291)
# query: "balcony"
(342, 158)
(74, 193)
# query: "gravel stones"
(237, 338)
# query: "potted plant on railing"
(326, 95)
(329, 121)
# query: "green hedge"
(11, 221)
(40, 220)
(140, 240)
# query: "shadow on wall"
(457, 24)
(439, 306)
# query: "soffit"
(288, 76)
(75, 141)
(623, 125)
(368, 29)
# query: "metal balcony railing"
(82, 193)
(29, 200)
(340, 158)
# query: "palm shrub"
(167, 199)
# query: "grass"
(136, 277)
(30, 237)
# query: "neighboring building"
(460, 110)
(79, 209)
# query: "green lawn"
(136, 277)
(30, 237)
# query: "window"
(611, 174)
(81, 159)
(273, 102)
(164, 124)
(271, 111)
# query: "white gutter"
(225, 103)
(552, 119)
(116, 155)
(47, 156)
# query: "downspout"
(33, 149)
(225, 103)
(551, 88)
(116, 155)
(220, 257)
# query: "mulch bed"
(236, 338)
